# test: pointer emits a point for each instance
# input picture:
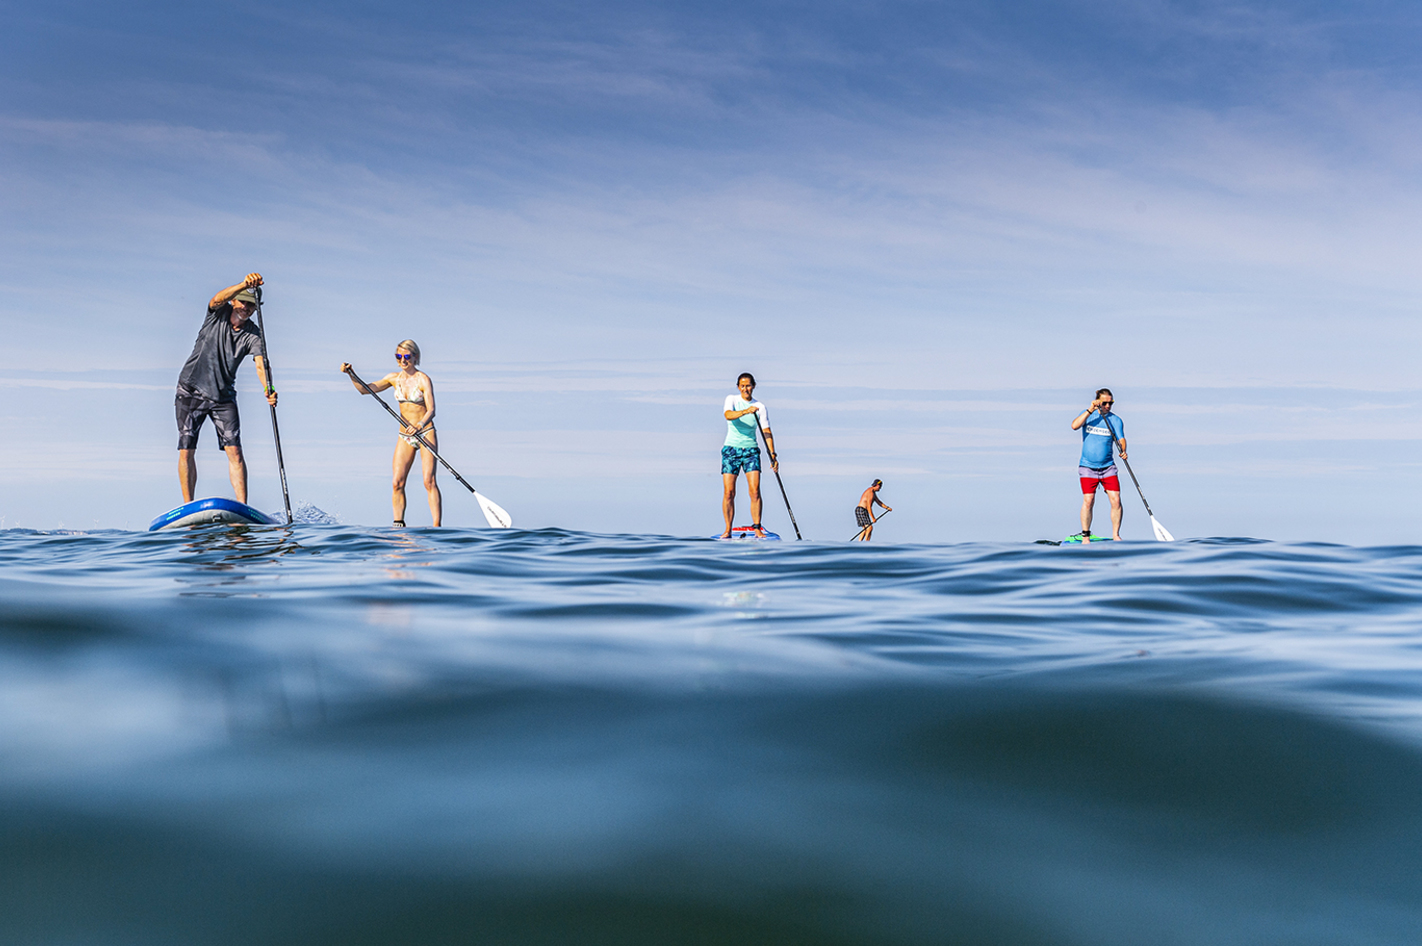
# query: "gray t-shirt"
(211, 369)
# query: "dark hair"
(877, 483)
(746, 374)
(1104, 391)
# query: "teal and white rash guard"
(741, 431)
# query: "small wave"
(309, 514)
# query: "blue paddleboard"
(211, 510)
(740, 533)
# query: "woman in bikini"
(415, 392)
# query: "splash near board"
(201, 511)
(746, 533)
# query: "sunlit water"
(329, 734)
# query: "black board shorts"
(861, 516)
(192, 409)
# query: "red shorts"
(1090, 479)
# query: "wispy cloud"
(916, 201)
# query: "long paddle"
(869, 526)
(271, 388)
(496, 516)
(773, 464)
(1162, 534)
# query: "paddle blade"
(498, 519)
(1162, 534)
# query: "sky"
(931, 230)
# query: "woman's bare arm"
(427, 386)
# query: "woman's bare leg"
(431, 467)
(728, 501)
(404, 459)
(753, 487)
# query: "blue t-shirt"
(1096, 439)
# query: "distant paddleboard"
(747, 533)
(216, 509)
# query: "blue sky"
(930, 229)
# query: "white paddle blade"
(498, 519)
(1162, 534)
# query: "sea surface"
(327, 734)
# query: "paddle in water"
(276, 432)
(775, 468)
(1161, 533)
(496, 516)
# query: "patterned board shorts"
(193, 409)
(740, 460)
(861, 516)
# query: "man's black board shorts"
(192, 409)
(861, 516)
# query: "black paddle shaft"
(403, 423)
(773, 464)
(870, 525)
(276, 431)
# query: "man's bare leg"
(728, 501)
(1116, 514)
(187, 473)
(237, 471)
(1087, 502)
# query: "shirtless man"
(207, 385)
(864, 512)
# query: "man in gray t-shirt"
(207, 385)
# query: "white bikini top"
(405, 397)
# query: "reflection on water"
(329, 734)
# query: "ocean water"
(332, 734)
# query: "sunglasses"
(401, 356)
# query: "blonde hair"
(410, 346)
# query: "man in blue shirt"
(1099, 430)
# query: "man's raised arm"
(252, 281)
